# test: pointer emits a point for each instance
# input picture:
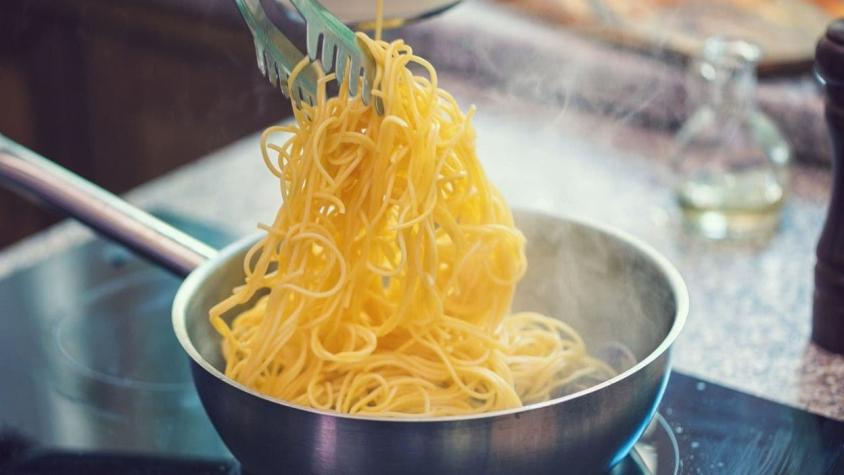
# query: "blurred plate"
(786, 30)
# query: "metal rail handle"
(33, 176)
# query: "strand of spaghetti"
(379, 19)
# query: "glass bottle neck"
(725, 77)
(732, 91)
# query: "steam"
(598, 284)
(565, 101)
(515, 59)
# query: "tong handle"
(276, 54)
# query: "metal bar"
(32, 175)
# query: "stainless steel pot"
(615, 290)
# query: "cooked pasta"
(384, 284)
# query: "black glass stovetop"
(92, 381)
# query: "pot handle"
(32, 175)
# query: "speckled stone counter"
(750, 303)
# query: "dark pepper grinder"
(828, 305)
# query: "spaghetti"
(384, 284)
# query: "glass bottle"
(730, 160)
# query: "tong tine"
(334, 58)
(274, 73)
(339, 47)
(276, 55)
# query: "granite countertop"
(750, 303)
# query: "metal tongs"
(328, 40)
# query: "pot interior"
(621, 297)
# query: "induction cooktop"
(94, 382)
